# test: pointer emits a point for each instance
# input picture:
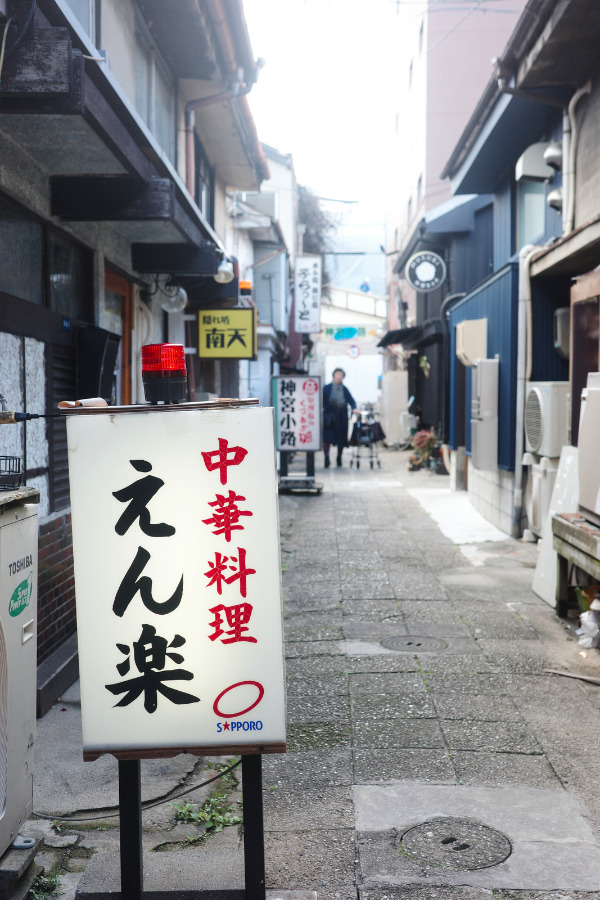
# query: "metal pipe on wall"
(524, 364)
(570, 174)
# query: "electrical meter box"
(18, 658)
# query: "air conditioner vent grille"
(534, 423)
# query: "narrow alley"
(430, 754)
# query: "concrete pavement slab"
(416, 764)
(386, 662)
(373, 709)
(524, 814)
(553, 845)
(302, 708)
(369, 609)
(401, 733)
(303, 649)
(507, 737)
(303, 807)
(484, 767)
(324, 858)
(486, 708)
(546, 865)
(316, 768)
(324, 685)
(319, 735)
(388, 683)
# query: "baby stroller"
(366, 432)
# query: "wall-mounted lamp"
(175, 299)
(555, 199)
(224, 273)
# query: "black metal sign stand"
(254, 836)
(130, 814)
(298, 482)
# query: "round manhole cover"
(460, 844)
(413, 643)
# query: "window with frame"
(154, 91)
(531, 211)
(205, 183)
(85, 10)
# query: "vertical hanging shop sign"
(177, 574)
(307, 295)
(297, 403)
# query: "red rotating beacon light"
(164, 373)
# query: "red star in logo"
(226, 726)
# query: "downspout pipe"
(566, 155)
(237, 90)
(233, 43)
(524, 365)
(570, 175)
(447, 303)
(190, 122)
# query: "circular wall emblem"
(353, 351)
(425, 271)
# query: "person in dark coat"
(336, 400)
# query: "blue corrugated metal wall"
(504, 239)
(497, 301)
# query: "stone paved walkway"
(416, 692)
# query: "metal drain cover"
(459, 844)
(413, 643)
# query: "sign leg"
(310, 464)
(130, 815)
(254, 839)
(283, 462)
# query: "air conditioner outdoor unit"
(538, 492)
(18, 632)
(546, 417)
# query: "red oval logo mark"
(261, 693)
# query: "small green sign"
(20, 598)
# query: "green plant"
(215, 814)
(43, 886)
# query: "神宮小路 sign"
(177, 573)
(297, 403)
(307, 295)
(227, 333)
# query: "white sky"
(324, 94)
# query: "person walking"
(336, 400)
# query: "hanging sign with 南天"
(297, 402)
(227, 333)
(307, 295)
(177, 573)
